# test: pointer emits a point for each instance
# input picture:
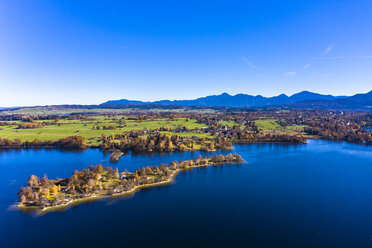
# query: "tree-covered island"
(96, 181)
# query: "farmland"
(178, 131)
(88, 128)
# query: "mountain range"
(304, 99)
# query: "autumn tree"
(33, 181)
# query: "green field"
(85, 128)
(229, 123)
(268, 124)
(271, 124)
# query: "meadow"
(87, 128)
(92, 128)
(268, 124)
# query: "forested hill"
(239, 100)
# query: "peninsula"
(97, 181)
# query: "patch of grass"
(268, 124)
(154, 124)
(228, 123)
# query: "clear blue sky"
(87, 52)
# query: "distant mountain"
(307, 95)
(356, 102)
(123, 102)
(239, 100)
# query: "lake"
(313, 195)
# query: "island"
(97, 181)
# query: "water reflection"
(37, 149)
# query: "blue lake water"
(313, 195)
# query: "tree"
(170, 145)
(116, 173)
(91, 183)
(33, 181)
(55, 189)
(47, 193)
(151, 145)
(173, 165)
(45, 181)
(22, 199)
(149, 170)
(211, 145)
(99, 169)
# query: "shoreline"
(145, 151)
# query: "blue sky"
(87, 52)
